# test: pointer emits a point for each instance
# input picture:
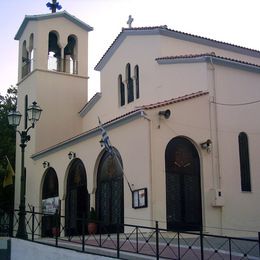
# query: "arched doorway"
(183, 186)
(50, 193)
(77, 198)
(110, 193)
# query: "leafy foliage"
(7, 145)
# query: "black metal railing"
(134, 239)
(63, 65)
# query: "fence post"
(83, 232)
(201, 245)
(230, 248)
(179, 249)
(117, 239)
(56, 228)
(33, 216)
(157, 239)
(137, 248)
(259, 242)
(11, 222)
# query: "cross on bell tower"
(54, 6)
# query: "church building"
(181, 114)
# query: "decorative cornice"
(212, 58)
(51, 71)
(40, 17)
(173, 100)
(90, 104)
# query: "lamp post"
(33, 114)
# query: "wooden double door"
(183, 185)
(110, 194)
(77, 199)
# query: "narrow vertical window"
(121, 88)
(130, 85)
(244, 162)
(137, 93)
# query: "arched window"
(25, 60)
(70, 55)
(54, 52)
(137, 93)
(121, 87)
(31, 51)
(50, 185)
(50, 191)
(130, 85)
(244, 162)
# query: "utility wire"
(236, 104)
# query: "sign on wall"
(50, 205)
(139, 198)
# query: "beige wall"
(136, 167)
(238, 87)
(140, 142)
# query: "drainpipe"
(214, 137)
(214, 131)
(150, 164)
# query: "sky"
(231, 21)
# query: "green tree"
(7, 145)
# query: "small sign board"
(50, 205)
(139, 198)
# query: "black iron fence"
(128, 240)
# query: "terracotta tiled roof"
(205, 55)
(174, 100)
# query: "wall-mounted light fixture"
(45, 164)
(71, 155)
(165, 113)
(206, 145)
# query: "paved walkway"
(147, 249)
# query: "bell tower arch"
(53, 70)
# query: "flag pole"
(121, 168)
(108, 147)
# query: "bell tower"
(53, 70)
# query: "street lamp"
(14, 118)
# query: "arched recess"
(31, 52)
(183, 185)
(110, 192)
(70, 55)
(77, 198)
(54, 52)
(50, 192)
(25, 60)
